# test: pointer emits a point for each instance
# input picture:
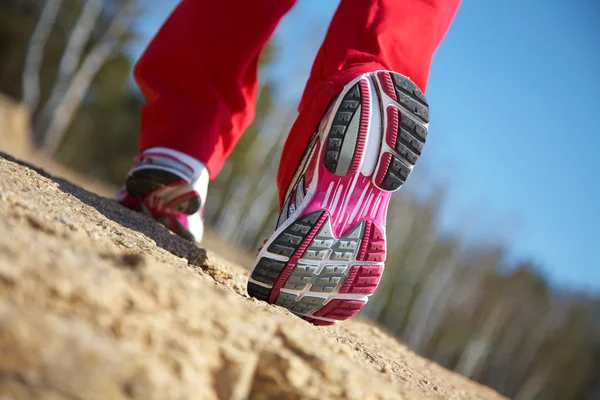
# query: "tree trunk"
(63, 114)
(35, 54)
(70, 60)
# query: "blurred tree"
(470, 310)
(35, 53)
(102, 140)
(75, 77)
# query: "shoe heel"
(142, 182)
(405, 115)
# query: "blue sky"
(515, 135)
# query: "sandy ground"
(97, 302)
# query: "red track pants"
(199, 74)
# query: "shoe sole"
(143, 181)
(325, 261)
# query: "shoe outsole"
(341, 122)
(324, 263)
(141, 182)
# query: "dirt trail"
(97, 302)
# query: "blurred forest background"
(462, 305)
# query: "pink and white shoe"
(170, 187)
(327, 254)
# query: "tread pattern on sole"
(301, 276)
(144, 181)
(405, 134)
(393, 173)
(308, 285)
(340, 309)
(411, 97)
(313, 221)
(362, 279)
(326, 282)
(305, 305)
(267, 270)
(325, 246)
(257, 291)
(288, 240)
(387, 84)
(406, 145)
(363, 129)
(373, 244)
(341, 121)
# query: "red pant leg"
(364, 36)
(199, 76)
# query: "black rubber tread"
(411, 97)
(406, 152)
(410, 140)
(267, 270)
(416, 130)
(408, 87)
(396, 175)
(260, 292)
(286, 243)
(343, 116)
(144, 181)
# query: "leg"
(199, 76)
(365, 36)
(361, 129)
